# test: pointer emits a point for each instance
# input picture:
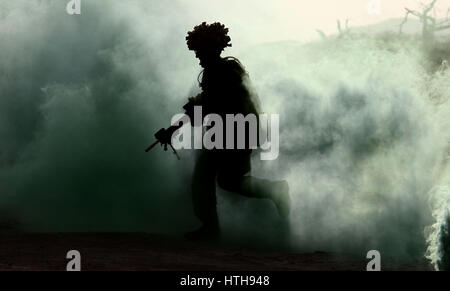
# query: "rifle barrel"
(151, 146)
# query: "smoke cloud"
(364, 129)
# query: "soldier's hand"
(164, 136)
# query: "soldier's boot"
(209, 231)
(277, 191)
(280, 196)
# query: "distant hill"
(412, 26)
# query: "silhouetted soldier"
(223, 92)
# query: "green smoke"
(75, 120)
(364, 125)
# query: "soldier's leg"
(232, 177)
(204, 192)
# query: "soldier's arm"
(192, 102)
(164, 135)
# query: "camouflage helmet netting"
(208, 36)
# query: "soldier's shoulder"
(234, 65)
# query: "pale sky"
(272, 20)
(319, 12)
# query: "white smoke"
(364, 125)
(363, 139)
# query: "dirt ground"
(137, 251)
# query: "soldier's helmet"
(208, 37)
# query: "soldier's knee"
(229, 182)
